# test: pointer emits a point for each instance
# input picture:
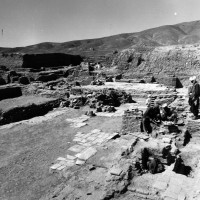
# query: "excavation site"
(114, 118)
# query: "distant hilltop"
(183, 33)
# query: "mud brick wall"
(36, 61)
(10, 92)
(11, 61)
(131, 122)
(170, 81)
(50, 60)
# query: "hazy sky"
(27, 22)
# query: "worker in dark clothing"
(194, 97)
(178, 164)
(168, 114)
(151, 115)
(152, 165)
(145, 157)
(189, 94)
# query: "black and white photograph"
(99, 99)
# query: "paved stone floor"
(85, 147)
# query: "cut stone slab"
(79, 134)
(60, 159)
(86, 144)
(96, 131)
(112, 136)
(80, 162)
(61, 167)
(78, 125)
(68, 163)
(85, 155)
(115, 171)
(83, 140)
(55, 166)
(77, 148)
(71, 157)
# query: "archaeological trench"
(72, 130)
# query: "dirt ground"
(27, 151)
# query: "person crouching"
(151, 115)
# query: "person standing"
(194, 97)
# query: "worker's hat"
(192, 78)
(149, 95)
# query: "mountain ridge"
(182, 33)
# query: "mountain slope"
(183, 33)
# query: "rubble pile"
(97, 82)
(110, 97)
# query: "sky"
(28, 22)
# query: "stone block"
(86, 144)
(79, 134)
(60, 159)
(160, 185)
(131, 188)
(96, 131)
(142, 191)
(91, 138)
(112, 136)
(83, 140)
(77, 148)
(68, 163)
(61, 167)
(80, 162)
(77, 139)
(100, 140)
(85, 155)
(55, 166)
(115, 171)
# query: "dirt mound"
(181, 61)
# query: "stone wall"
(131, 121)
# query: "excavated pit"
(25, 107)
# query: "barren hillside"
(183, 33)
